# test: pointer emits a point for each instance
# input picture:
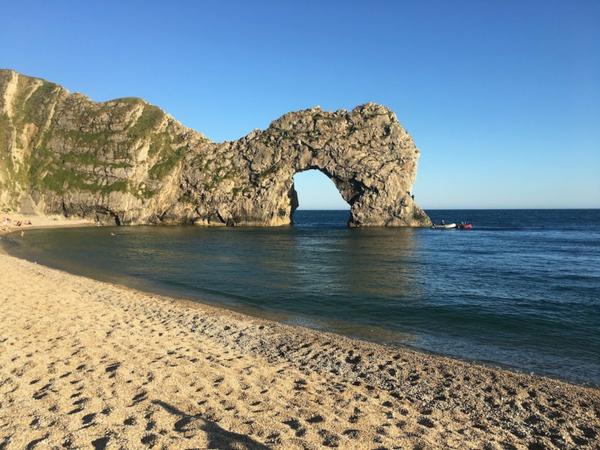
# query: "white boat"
(445, 226)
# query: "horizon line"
(472, 209)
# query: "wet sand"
(86, 364)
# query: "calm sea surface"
(521, 289)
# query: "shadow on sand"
(217, 436)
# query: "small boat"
(444, 226)
(465, 226)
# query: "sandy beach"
(11, 222)
(86, 364)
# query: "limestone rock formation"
(127, 162)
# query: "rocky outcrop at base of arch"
(128, 162)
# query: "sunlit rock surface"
(127, 162)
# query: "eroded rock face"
(126, 161)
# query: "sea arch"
(367, 154)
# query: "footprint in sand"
(149, 440)
(329, 439)
(139, 398)
(88, 420)
(129, 421)
(35, 442)
(315, 419)
(112, 368)
(100, 443)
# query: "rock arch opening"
(314, 190)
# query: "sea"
(520, 290)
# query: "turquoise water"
(522, 289)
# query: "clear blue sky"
(502, 97)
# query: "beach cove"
(83, 362)
(284, 225)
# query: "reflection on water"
(389, 270)
(522, 289)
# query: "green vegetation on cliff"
(58, 144)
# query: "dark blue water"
(521, 289)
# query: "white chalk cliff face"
(125, 161)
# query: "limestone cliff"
(127, 162)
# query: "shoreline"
(272, 316)
(8, 222)
(313, 388)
